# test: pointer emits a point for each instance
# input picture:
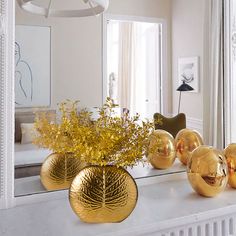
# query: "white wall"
(76, 52)
(77, 48)
(188, 41)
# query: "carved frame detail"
(7, 22)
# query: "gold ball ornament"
(103, 194)
(161, 150)
(207, 171)
(185, 142)
(230, 154)
(58, 171)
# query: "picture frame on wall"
(188, 71)
(32, 66)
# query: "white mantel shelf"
(166, 206)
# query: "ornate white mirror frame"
(7, 29)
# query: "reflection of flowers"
(23, 79)
(109, 140)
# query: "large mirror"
(138, 61)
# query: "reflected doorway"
(134, 65)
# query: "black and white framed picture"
(188, 71)
(32, 66)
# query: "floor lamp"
(183, 88)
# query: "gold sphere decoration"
(103, 194)
(161, 150)
(58, 171)
(230, 154)
(207, 171)
(185, 142)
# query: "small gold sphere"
(58, 171)
(185, 142)
(161, 151)
(207, 171)
(230, 154)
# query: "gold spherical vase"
(161, 151)
(207, 171)
(230, 154)
(185, 142)
(103, 194)
(58, 171)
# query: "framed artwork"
(32, 66)
(188, 71)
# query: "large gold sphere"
(207, 171)
(185, 142)
(161, 151)
(230, 154)
(58, 171)
(103, 194)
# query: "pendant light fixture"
(95, 7)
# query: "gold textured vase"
(185, 142)
(161, 151)
(230, 154)
(59, 170)
(103, 194)
(207, 171)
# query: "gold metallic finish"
(185, 142)
(161, 152)
(207, 171)
(103, 194)
(230, 154)
(120, 141)
(59, 170)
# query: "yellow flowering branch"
(109, 140)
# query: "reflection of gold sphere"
(207, 171)
(185, 142)
(103, 194)
(230, 154)
(58, 171)
(161, 152)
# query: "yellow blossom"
(109, 140)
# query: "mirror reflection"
(145, 59)
(134, 64)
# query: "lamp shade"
(184, 87)
(95, 7)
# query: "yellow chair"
(172, 125)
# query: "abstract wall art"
(32, 66)
(188, 71)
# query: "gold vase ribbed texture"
(103, 194)
(161, 149)
(207, 171)
(230, 154)
(185, 142)
(59, 170)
